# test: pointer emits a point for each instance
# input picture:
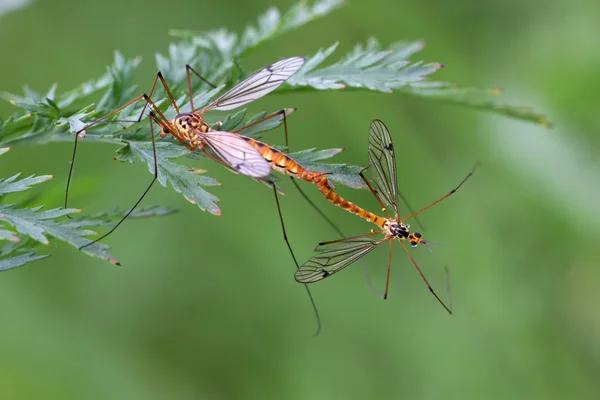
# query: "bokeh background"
(206, 307)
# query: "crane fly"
(335, 255)
(242, 154)
(190, 129)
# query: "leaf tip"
(546, 123)
(76, 210)
(196, 170)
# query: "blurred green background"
(206, 307)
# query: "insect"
(335, 255)
(237, 152)
(189, 128)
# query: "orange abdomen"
(286, 165)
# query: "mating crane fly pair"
(255, 159)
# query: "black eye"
(417, 234)
(413, 244)
(165, 130)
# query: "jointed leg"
(148, 100)
(188, 68)
(312, 301)
(443, 197)
(374, 193)
(151, 118)
(423, 276)
(389, 268)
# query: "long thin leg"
(275, 114)
(312, 301)
(151, 117)
(148, 100)
(157, 77)
(444, 196)
(171, 98)
(448, 286)
(82, 130)
(389, 268)
(318, 210)
(312, 204)
(374, 193)
(417, 219)
(189, 68)
(423, 276)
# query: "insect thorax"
(396, 229)
(188, 124)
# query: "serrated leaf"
(270, 25)
(17, 261)
(8, 235)
(43, 109)
(183, 181)
(75, 121)
(37, 224)
(11, 185)
(477, 98)
(107, 218)
(366, 67)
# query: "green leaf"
(107, 218)
(476, 98)
(270, 25)
(13, 5)
(183, 180)
(10, 185)
(37, 224)
(8, 235)
(17, 261)
(367, 67)
(375, 68)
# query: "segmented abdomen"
(286, 165)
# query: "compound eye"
(417, 234)
(413, 244)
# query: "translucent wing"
(336, 256)
(382, 164)
(236, 152)
(257, 85)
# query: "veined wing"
(336, 256)
(234, 151)
(382, 164)
(257, 85)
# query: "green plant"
(54, 116)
